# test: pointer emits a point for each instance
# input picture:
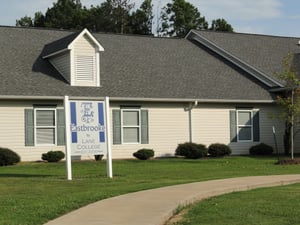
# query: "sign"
(87, 128)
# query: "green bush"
(53, 156)
(217, 150)
(144, 154)
(191, 150)
(261, 149)
(98, 157)
(8, 157)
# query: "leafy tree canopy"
(289, 101)
(118, 16)
(221, 25)
(179, 17)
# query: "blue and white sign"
(88, 133)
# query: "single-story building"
(208, 87)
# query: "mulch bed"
(289, 162)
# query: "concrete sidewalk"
(156, 206)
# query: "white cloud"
(250, 29)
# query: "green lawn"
(33, 193)
(266, 206)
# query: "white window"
(45, 126)
(131, 126)
(244, 125)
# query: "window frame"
(238, 126)
(131, 126)
(44, 127)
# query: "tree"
(179, 17)
(39, 20)
(65, 14)
(221, 25)
(25, 21)
(120, 14)
(289, 102)
(141, 19)
(111, 16)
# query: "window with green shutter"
(44, 126)
(130, 126)
(244, 125)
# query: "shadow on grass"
(24, 175)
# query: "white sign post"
(87, 130)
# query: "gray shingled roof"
(141, 67)
(263, 52)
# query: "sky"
(269, 17)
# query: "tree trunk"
(287, 139)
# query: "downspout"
(190, 108)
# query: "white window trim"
(37, 127)
(122, 126)
(241, 126)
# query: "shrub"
(98, 157)
(261, 149)
(8, 157)
(216, 150)
(191, 150)
(144, 154)
(53, 156)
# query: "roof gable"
(250, 69)
(263, 52)
(76, 57)
(66, 43)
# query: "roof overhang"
(133, 99)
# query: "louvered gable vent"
(85, 68)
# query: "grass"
(266, 206)
(33, 193)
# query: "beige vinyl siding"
(62, 64)
(85, 62)
(211, 125)
(12, 130)
(168, 126)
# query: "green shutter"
(144, 127)
(116, 126)
(256, 135)
(60, 123)
(29, 127)
(233, 134)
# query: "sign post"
(68, 140)
(87, 130)
(108, 141)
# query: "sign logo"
(87, 112)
